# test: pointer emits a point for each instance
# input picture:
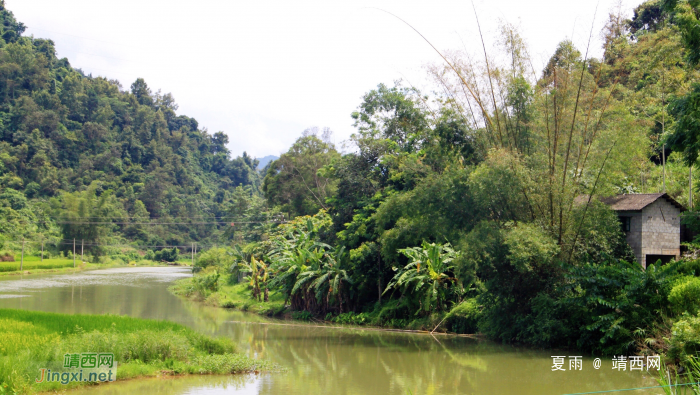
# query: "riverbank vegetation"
(474, 209)
(35, 264)
(141, 348)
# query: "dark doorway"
(652, 259)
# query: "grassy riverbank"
(229, 296)
(141, 347)
(34, 265)
(461, 319)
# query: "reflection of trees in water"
(352, 361)
(331, 361)
(343, 361)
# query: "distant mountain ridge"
(265, 160)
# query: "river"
(318, 360)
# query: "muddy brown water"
(318, 360)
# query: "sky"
(263, 71)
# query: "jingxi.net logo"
(85, 367)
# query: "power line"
(127, 217)
(65, 242)
(79, 221)
(232, 223)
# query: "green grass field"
(30, 340)
(34, 263)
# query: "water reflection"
(318, 359)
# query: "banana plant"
(259, 274)
(428, 276)
(295, 253)
(324, 284)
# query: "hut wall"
(661, 230)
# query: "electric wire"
(79, 243)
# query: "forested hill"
(73, 146)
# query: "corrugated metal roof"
(637, 201)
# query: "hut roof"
(637, 201)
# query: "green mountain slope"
(80, 146)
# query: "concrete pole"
(690, 190)
(192, 251)
(73, 253)
(42, 251)
(21, 262)
(82, 244)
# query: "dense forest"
(473, 209)
(77, 146)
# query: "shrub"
(6, 256)
(464, 317)
(302, 315)
(690, 267)
(351, 318)
(219, 257)
(604, 305)
(227, 303)
(685, 338)
(166, 254)
(685, 296)
(393, 312)
(207, 282)
(150, 255)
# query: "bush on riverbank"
(141, 347)
(685, 296)
(218, 292)
(461, 319)
(685, 339)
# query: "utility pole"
(82, 244)
(690, 189)
(192, 251)
(74, 253)
(21, 262)
(42, 250)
